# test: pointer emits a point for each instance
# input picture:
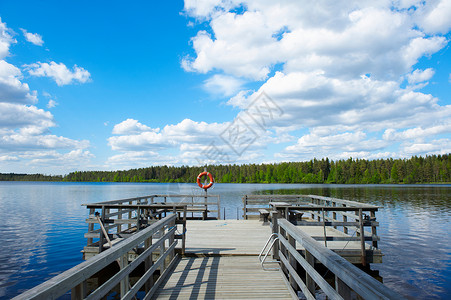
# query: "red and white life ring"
(205, 187)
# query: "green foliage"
(433, 168)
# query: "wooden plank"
(237, 277)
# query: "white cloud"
(223, 85)
(33, 38)
(59, 72)
(8, 158)
(130, 126)
(441, 146)
(134, 138)
(52, 103)
(26, 142)
(335, 70)
(436, 17)
(11, 89)
(420, 75)
(23, 116)
(6, 40)
(206, 8)
(417, 132)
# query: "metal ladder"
(274, 237)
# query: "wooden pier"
(286, 246)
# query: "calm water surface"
(43, 226)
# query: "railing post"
(91, 226)
(171, 240)
(244, 207)
(130, 215)
(342, 288)
(275, 229)
(101, 239)
(219, 208)
(80, 291)
(184, 229)
(362, 238)
(119, 217)
(309, 282)
(138, 219)
(292, 262)
(123, 262)
(148, 263)
(334, 214)
(345, 219)
(373, 227)
(162, 250)
(283, 249)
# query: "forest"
(428, 169)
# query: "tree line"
(429, 169)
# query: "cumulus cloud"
(59, 72)
(6, 39)
(130, 126)
(420, 75)
(26, 142)
(33, 38)
(138, 137)
(339, 69)
(223, 85)
(435, 17)
(336, 73)
(12, 90)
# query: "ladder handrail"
(275, 238)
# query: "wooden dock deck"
(223, 277)
(248, 237)
(138, 248)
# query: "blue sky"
(112, 85)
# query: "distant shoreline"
(431, 169)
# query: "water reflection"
(45, 221)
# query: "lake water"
(43, 225)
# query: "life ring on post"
(205, 187)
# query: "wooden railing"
(121, 218)
(198, 205)
(300, 270)
(76, 279)
(349, 217)
(252, 203)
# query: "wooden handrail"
(359, 281)
(60, 284)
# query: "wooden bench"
(264, 214)
(295, 215)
